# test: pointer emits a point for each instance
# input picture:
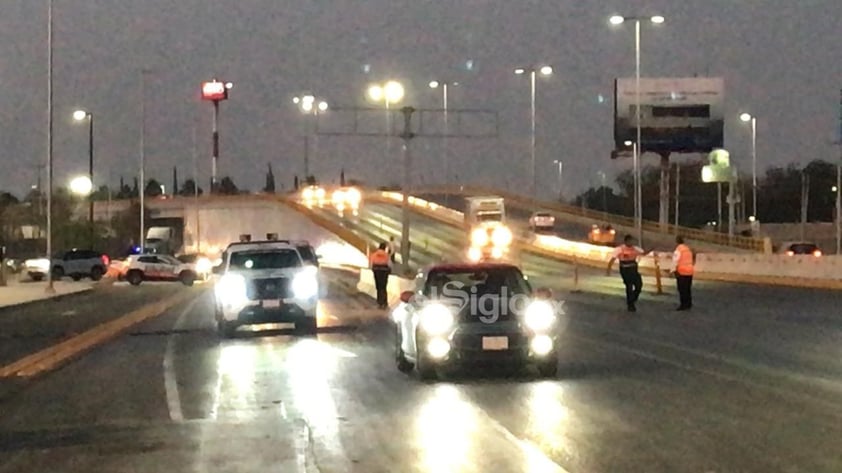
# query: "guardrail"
(747, 243)
(799, 270)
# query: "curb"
(55, 356)
(56, 298)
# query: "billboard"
(677, 115)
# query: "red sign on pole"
(214, 90)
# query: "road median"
(56, 355)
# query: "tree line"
(781, 191)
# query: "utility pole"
(677, 192)
(411, 129)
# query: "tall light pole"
(533, 72)
(747, 117)
(142, 187)
(215, 91)
(310, 105)
(81, 115)
(560, 177)
(444, 85)
(389, 93)
(638, 149)
(50, 288)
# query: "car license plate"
(495, 343)
(271, 303)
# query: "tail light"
(790, 253)
(613, 232)
(817, 253)
(106, 260)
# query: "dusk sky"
(781, 60)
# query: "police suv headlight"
(436, 319)
(203, 265)
(479, 237)
(306, 284)
(501, 236)
(231, 290)
(539, 316)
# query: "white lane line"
(170, 381)
(537, 460)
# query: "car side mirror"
(407, 297)
(544, 293)
(217, 269)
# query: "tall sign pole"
(215, 91)
(839, 184)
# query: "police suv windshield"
(265, 259)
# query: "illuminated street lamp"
(215, 91)
(389, 92)
(617, 20)
(748, 118)
(79, 116)
(310, 105)
(81, 186)
(533, 72)
(444, 85)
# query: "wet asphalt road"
(750, 380)
(172, 396)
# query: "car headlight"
(338, 197)
(203, 265)
(539, 316)
(231, 290)
(474, 254)
(307, 194)
(42, 264)
(479, 237)
(436, 319)
(320, 193)
(501, 236)
(305, 284)
(496, 252)
(353, 196)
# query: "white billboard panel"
(678, 115)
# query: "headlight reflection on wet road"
(549, 422)
(445, 427)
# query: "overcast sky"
(781, 60)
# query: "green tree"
(188, 189)
(270, 180)
(227, 186)
(153, 188)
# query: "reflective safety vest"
(628, 254)
(684, 263)
(380, 258)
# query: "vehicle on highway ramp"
(489, 237)
(475, 312)
(154, 267)
(542, 221)
(802, 248)
(265, 282)
(602, 235)
(75, 263)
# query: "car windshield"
(479, 281)
(307, 254)
(803, 248)
(265, 259)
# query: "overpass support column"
(664, 214)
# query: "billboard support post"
(663, 216)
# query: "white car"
(265, 282)
(155, 267)
(541, 221)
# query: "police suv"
(265, 282)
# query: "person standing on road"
(392, 249)
(379, 261)
(628, 254)
(683, 263)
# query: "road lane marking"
(54, 356)
(170, 376)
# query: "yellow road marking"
(52, 357)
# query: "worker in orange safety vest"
(683, 263)
(379, 261)
(628, 255)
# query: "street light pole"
(637, 148)
(560, 177)
(754, 167)
(50, 287)
(544, 70)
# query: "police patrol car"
(264, 282)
